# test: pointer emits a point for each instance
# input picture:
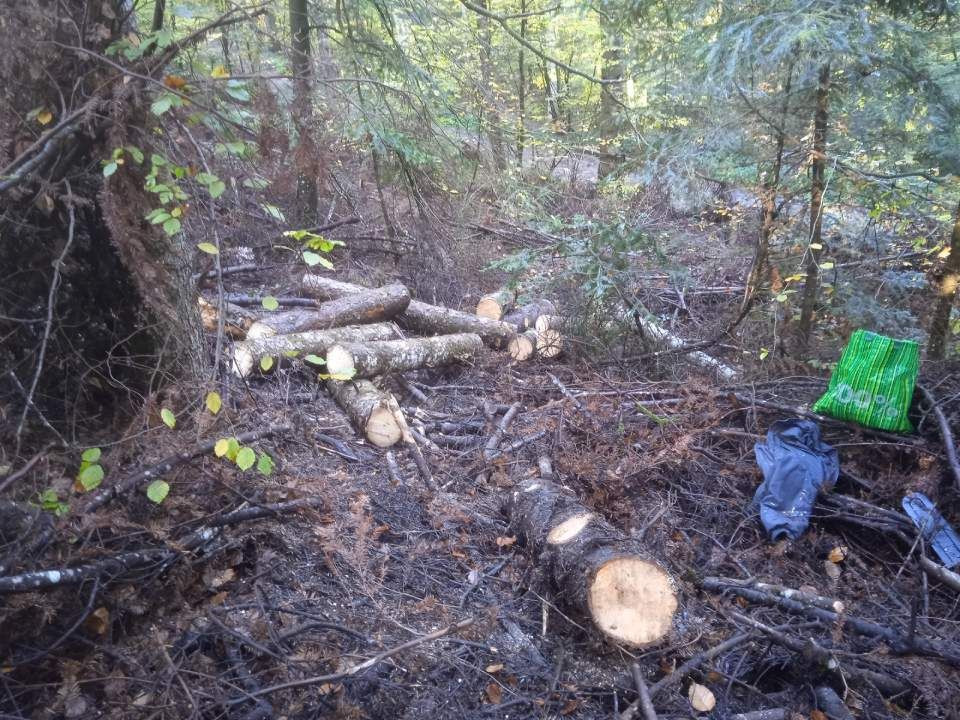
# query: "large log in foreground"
(364, 307)
(419, 317)
(246, 355)
(371, 411)
(600, 572)
(366, 360)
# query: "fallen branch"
(646, 703)
(949, 444)
(359, 667)
(105, 495)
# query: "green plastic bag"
(873, 382)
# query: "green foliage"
(246, 457)
(49, 501)
(169, 419)
(158, 490)
(90, 473)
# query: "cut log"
(597, 569)
(365, 307)
(369, 409)
(496, 304)
(236, 321)
(552, 322)
(419, 317)
(247, 355)
(523, 346)
(366, 360)
(525, 317)
(549, 343)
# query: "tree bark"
(247, 354)
(946, 284)
(358, 309)
(301, 63)
(366, 360)
(525, 317)
(371, 411)
(811, 288)
(609, 127)
(523, 346)
(599, 571)
(496, 304)
(420, 317)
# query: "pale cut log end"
(339, 361)
(549, 343)
(260, 330)
(489, 307)
(382, 428)
(522, 347)
(569, 529)
(632, 601)
(547, 322)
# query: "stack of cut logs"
(358, 333)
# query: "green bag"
(873, 382)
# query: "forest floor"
(663, 451)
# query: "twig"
(646, 704)
(393, 470)
(360, 667)
(51, 301)
(949, 445)
(939, 572)
(130, 482)
(517, 444)
(490, 447)
(13, 477)
(566, 393)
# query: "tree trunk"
(366, 307)
(302, 65)
(608, 126)
(521, 88)
(371, 411)
(811, 288)
(315, 342)
(366, 360)
(419, 317)
(488, 92)
(496, 304)
(526, 317)
(598, 571)
(947, 282)
(768, 210)
(159, 8)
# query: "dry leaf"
(714, 677)
(44, 117)
(818, 715)
(504, 541)
(701, 698)
(570, 707)
(495, 668)
(494, 694)
(174, 82)
(838, 554)
(99, 621)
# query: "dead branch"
(949, 444)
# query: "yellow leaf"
(942, 255)
(222, 447)
(838, 554)
(220, 72)
(213, 402)
(44, 117)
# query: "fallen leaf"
(818, 715)
(838, 554)
(495, 668)
(714, 677)
(44, 117)
(494, 694)
(570, 707)
(98, 622)
(505, 541)
(174, 82)
(213, 402)
(701, 698)
(219, 598)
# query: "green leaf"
(233, 447)
(266, 362)
(91, 455)
(208, 248)
(238, 93)
(160, 216)
(222, 447)
(91, 477)
(246, 458)
(311, 258)
(274, 211)
(213, 402)
(826, 265)
(171, 226)
(109, 169)
(216, 189)
(205, 178)
(270, 303)
(162, 104)
(257, 183)
(314, 360)
(158, 490)
(265, 464)
(169, 419)
(136, 153)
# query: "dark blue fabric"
(796, 465)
